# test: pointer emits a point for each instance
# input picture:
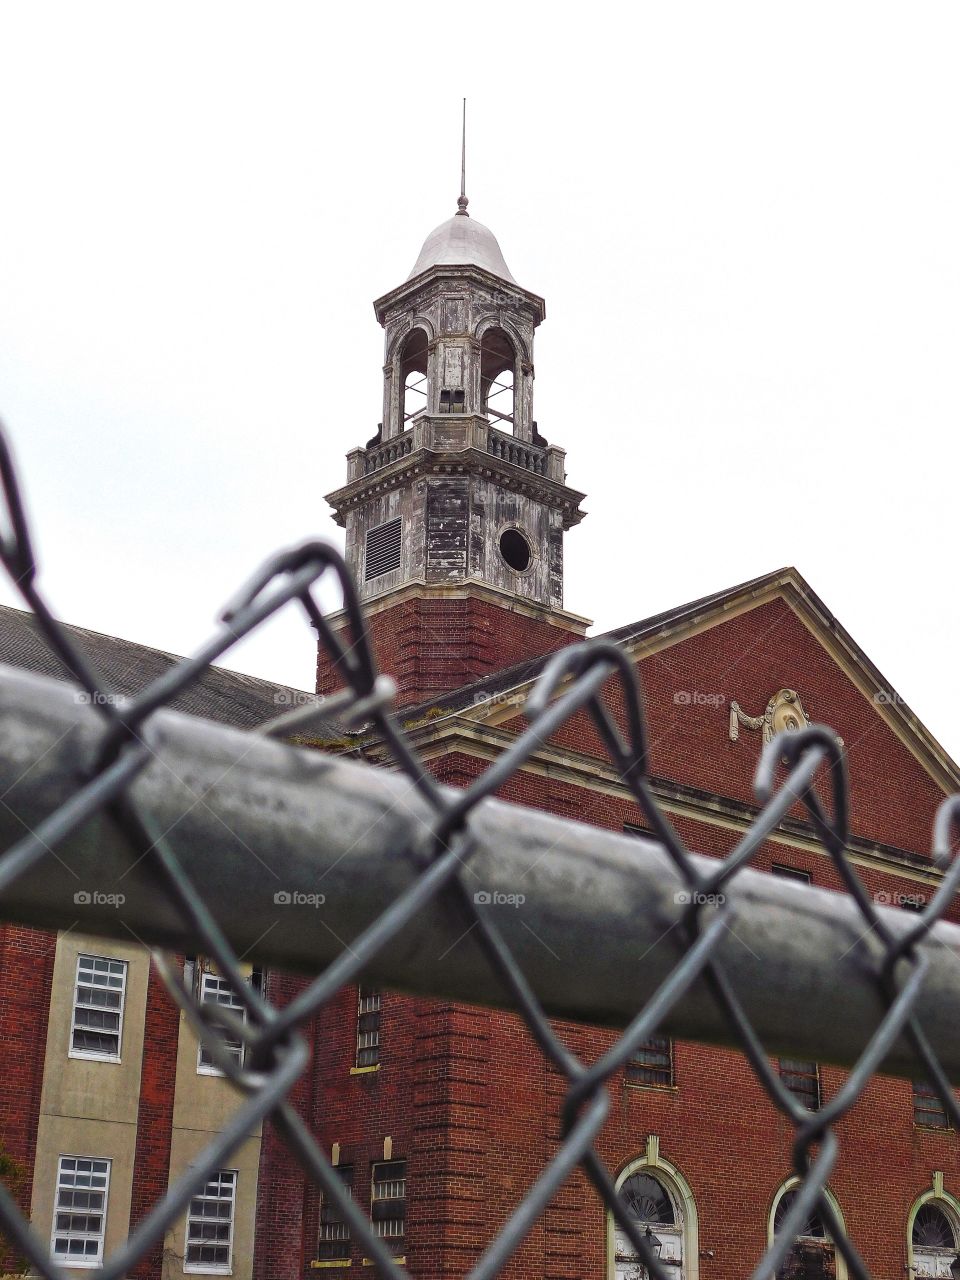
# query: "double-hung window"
(97, 1028)
(209, 1246)
(217, 991)
(80, 1213)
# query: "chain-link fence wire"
(275, 1053)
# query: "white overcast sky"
(744, 220)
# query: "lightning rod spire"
(463, 201)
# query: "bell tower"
(455, 511)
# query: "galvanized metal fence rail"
(103, 790)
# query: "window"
(388, 1200)
(383, 546)
(451, 402)
(98, 1008)
(790, 873)
(216, 990)
(933, 1240)
(209, 1244)
(80, 1216)
(928, 1110)
(515, 550)
(654, 1211)
(652, 1064)
(369, 1005)
(333, 1243)
(803, 1081)
(812, 1256)
(641, 834)
(801, 1078)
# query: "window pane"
(217, 991)
(210, 1224)
(98, 1006)
(79, 1218)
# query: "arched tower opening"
(498, 360)
(413, 377)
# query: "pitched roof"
(498, 682)
(787, 583)
(218, 694)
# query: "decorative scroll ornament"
(784, 713)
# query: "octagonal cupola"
(459, 493)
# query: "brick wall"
(433, 646)
(26, 974)
(151, 1165)
(485, 1105)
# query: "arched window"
(413, 377)
(934, 1239)
(813, 1255)
(497, 367)
(660, 1204)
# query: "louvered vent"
(383, 549)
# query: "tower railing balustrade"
(520, 452)
(455, 432)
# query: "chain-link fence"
(107, 768)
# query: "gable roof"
(217, 694)
(509, 679)
(499, 696)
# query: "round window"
(515, 549)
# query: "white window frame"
(66, 1259)
(96, 1055)
(206, 1268)
(208, 978)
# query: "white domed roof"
(462, 241)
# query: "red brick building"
(440, 1116)
(455, 515)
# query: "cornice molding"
(425, 462)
